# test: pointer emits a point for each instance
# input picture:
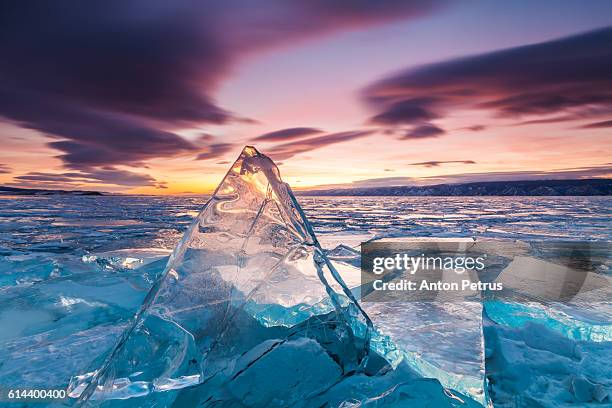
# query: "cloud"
(476, 128)
(544, 121)
(112, 82)
(215, 150)
(107, 175)
(435, 163)
(598, 125)
(424, 131)
(287, 134)
(4, 169)
(287, 150)
(92, 138)
(406, 111)
(570, 76)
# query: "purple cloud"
(436, 163)
(287, 150)
(571, 76)
(109, 82)
(406, 111)
(424, 131)
(287, 134)
(598, 125)
(106, 175)
(215, 150)
(4, 169)
(90, 137)
(476, 128)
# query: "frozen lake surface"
(74, 270)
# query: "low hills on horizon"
(573, 187)
(5, 190)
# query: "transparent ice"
(249, 312)
(75, 269)
(440, 339)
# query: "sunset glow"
(395, 95)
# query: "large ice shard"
(250, 312)
(247, 283)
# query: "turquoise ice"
(250, 312)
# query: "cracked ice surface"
(249, 311)
(441, 340)
(455, 329)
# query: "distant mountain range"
(583, 187)
(36, 191)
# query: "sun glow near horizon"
(402, 94)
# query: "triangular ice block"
(247, 281)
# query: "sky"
(158, 97)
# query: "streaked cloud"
(476, 128)
(287, 150)
(407, 111)
(424, 131)
(4, 169)
(215, 150)
(435, 163)
(287, 134)
(105, 176)
(179, 87)
(89, 137)
(598, 125)
(112, 82)
(569, 77)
